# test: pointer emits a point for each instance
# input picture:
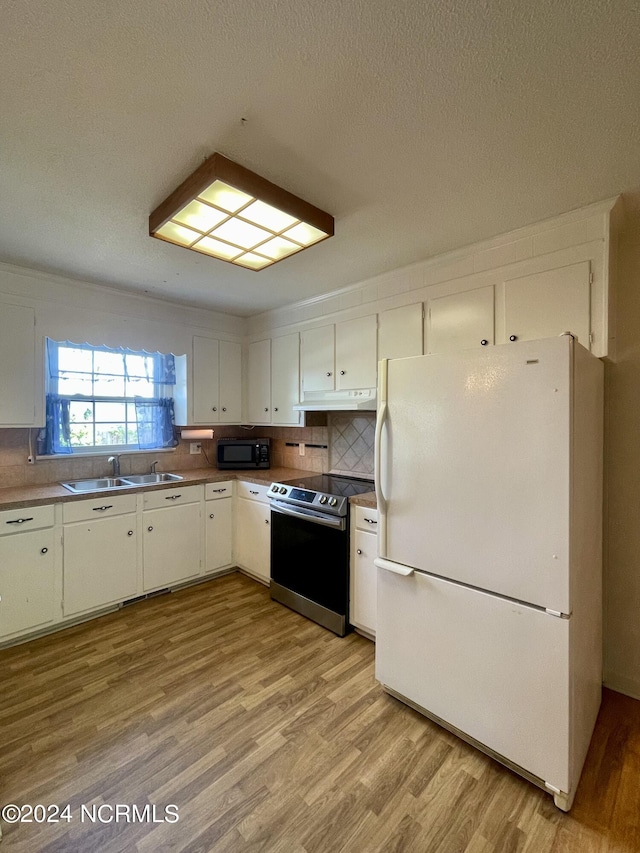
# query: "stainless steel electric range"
(310, 546)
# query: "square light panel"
(228, 212)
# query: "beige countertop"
(367, 499)
(17, 497)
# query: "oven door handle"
(336, 522)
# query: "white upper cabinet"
(317, 359)
(273, 380)
(341, 357)
(357, 353)
(400, 332)
(18, 359)
(546, 304)
(230, 367)
(259, 383)
(460, 321)
(285, 379)
(217, 382)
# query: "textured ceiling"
(421, 125)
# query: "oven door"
(310, 564)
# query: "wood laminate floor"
(269, 734)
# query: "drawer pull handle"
(19, 520)
(218, 490)
(251, 492)
(359, 551)
(211, 515)
(102, 508)
(150, 528)
(370, 521)
(129, 532)
(44, 550)
(172, 497)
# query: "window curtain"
(56, 435)
(156, 420)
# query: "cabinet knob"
(211, 515)
(484, 342)
(214, 408)
(266, 521)
(224, 408)
(359, 551)
(329, 373)
(342, 372)
(275, 409)
(44, 550)
(129, 532)
(150, 528)
(251, 492)
(266, 409)
(513, 337)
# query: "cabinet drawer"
(214, 491)
(170, 497)
(366, 518)
(27, 518)
(100, 507)
(253, 491)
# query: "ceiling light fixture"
(230, 213)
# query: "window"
(106, 399)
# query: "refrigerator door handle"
(380, 420)
(390, 566)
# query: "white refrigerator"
(489, 483)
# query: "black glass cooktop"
(333, 484)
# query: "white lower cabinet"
(364, 549)
(172, 536)
(253, 531)
(218, 526)
(99, 553)
(27, 571)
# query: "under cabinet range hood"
(338, 401)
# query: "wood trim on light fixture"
(219, 167)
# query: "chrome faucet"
(115, 461)
(152, 469)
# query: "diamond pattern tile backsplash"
(351, 438)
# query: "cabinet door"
(171, 545)
(253, 538)
(460, 321)
(26, 581)
(356, 353)
(230, 372)
(259, 383)
(400, 332)
(99, 562)
(317, 359)
(206, 390)
(18, 373)
(549, 303)
(218, 534)
(363, 581)
(285, 379)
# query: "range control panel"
(309, 498)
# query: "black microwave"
(244, 453)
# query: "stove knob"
(333, 501)
(274, 488)
(323, 499)
(283, 490)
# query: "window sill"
(79, 455)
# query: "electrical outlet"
(194, 448)
(301, 448)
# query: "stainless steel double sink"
(109, 484)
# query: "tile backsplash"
(351, 443)
(345, 444)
